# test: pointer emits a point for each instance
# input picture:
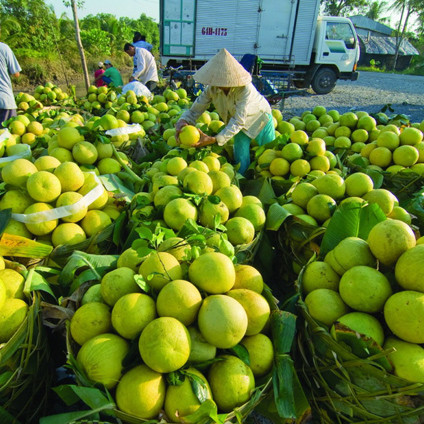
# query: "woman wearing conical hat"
(245, 112)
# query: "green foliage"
(45, 46)
(343, 7)
(96, 41)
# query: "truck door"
(276, 29)
(339, 46)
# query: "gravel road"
(370, 93)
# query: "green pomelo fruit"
(319, 275)
(222, 321)
(181, 400)
(165, 344)
(325, 305)
(364, 289)
(364, 324)
(231, 381)
(407, 359)
(404, 314)
(101, 358)
(389, 239)
(213, 272)
(201, 350)
(118, 283)
(159, 268)
(179, 299)
(89, 321)
(131, 313)
(256, 307)
(409, 270)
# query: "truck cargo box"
(278, 31)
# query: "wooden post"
(80, 46)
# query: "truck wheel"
(324, 81)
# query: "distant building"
(376, 43)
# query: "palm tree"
(10, 30)
(407, 8)
(376, 9)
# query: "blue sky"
(131, 8)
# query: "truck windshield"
(340, 31)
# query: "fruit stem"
(132, 174)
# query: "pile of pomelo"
(202, 190)
(389, 145)
(374, 288)
(186, 326)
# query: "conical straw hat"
(223, 70)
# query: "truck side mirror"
(351, 44)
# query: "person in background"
(99, 71)
(8, 66)
(140, 41)
(111, 75)
(145, 66)
(246, 113)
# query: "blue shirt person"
(8, 66)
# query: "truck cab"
(335, 53)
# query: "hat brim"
(223, 70)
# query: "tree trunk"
(398, 37)
(405, 25)
(80, 47)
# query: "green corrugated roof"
(386, 45)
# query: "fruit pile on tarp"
(161, 257)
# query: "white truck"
(289, 37)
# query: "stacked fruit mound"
(186, 325)
(369, 295)
(316, 201)
(39, 191)
(49, 94)
(301, 156)
(202, 190)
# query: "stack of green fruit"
(368, 295)
(201, 190)
(49, 94)
(316, 201)
(44, 185)
(186, 324)
(301, 156)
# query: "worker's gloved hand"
(178, 127)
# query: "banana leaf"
(350, 220)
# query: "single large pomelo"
(165, 344)
(141, 392)
(256, 307)
(179, 299)
(101, 358)
(159, 268)
(181, 400)
(389, 239)
(231, 381)
(404, 314)
(213, 272)
(90, 320)
(131, 313)
(222, 321)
